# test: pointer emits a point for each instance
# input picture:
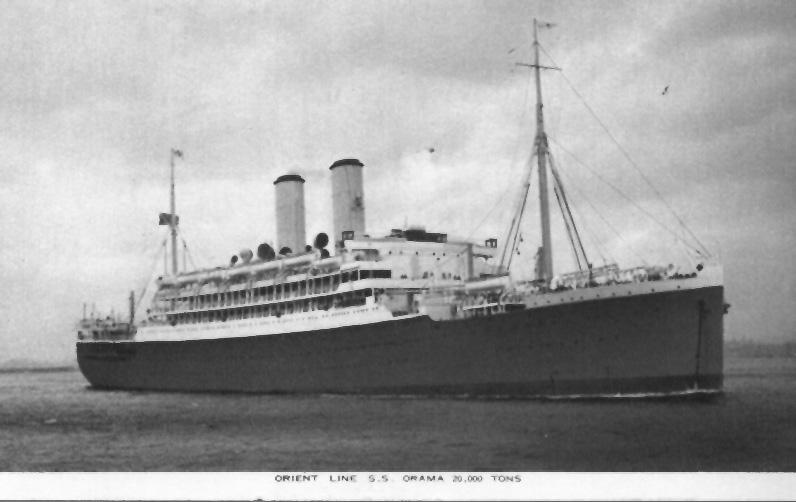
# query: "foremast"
(540, 145)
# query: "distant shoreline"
(745, 348)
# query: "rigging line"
(596, 242)
(607, 223)
(560, 186)
(161, 250)
(187, 251)
(627, 156)
(489, 213)
(557, 178)
(517, 231)
(566, 225)
(637, 206)
(518, 217)
(202, 255)
(573, 209)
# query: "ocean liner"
(414, 312)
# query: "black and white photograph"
(416, 249)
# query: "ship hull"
(651, 344)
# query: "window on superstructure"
(344, 277)
(382, 274)
(364, 274)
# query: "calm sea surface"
(54, 422)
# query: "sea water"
(53, 421)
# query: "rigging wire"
(566, 212)
(488, 214)
(600, 215)
(598, 243)
(566, 225)
(630, 160)
(187, 251)
(161, 250)
(202, 256)
(518, 217)
(626, 197)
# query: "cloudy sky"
(94, 94)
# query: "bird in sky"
(665, 91)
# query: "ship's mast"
(546, 255)
(173, 215)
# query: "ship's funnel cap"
(289, 177)
(347, 162)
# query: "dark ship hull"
(658, 343)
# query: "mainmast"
(173, 220)
(546, 255)
(544, 263)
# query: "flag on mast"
(176, 153)
(168, 219)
